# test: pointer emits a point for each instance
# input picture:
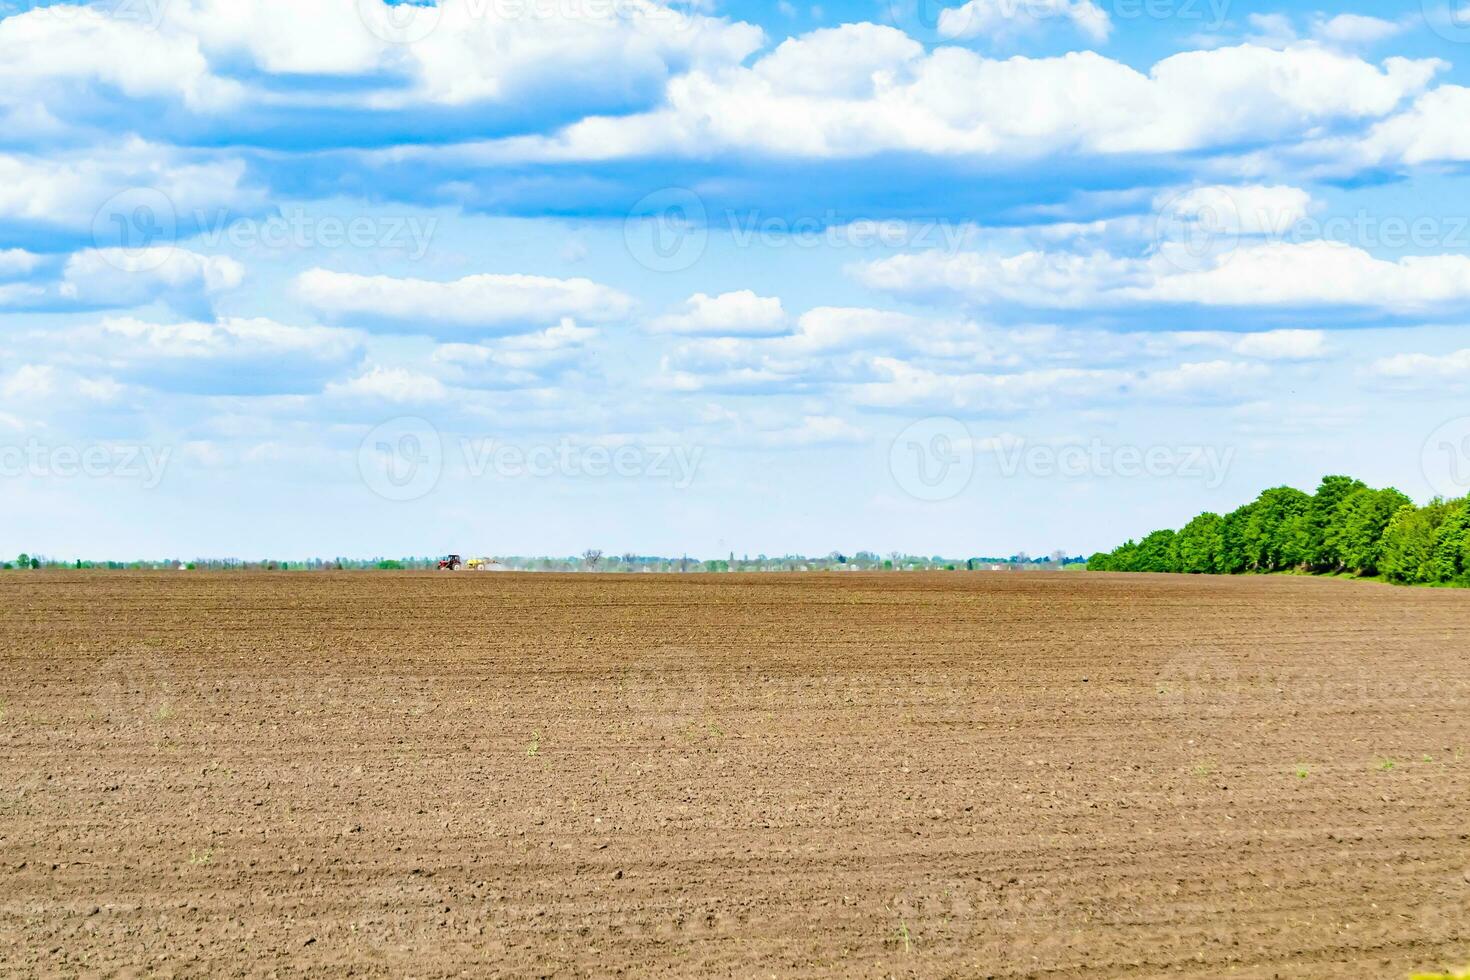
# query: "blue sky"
(328, 277)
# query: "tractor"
(451, 563)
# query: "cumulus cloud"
(736, 314)
(112, 277)
(226, 356)
(1432, 130)
(955, 102)
(396, 385)
(1268, 345)
(487, 303)
(153, 190)
(16, 262)
(526, 359)
(1266, 274)
(212, 59)
(1425, 369)
(1001, 19)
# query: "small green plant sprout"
(901, 935)
(163, 714)
(534, 748)
(198, 857)
(1386, 765)
(1302, 772)
(1427, 757)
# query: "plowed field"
(966, 775)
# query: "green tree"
(1235, 556)
(1201, 545)
(1271, 533)
(1322, 556)
(1156, 553)
(1452, 546)
(1409, 542)
(1358, 523)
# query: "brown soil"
(915, 775)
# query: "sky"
(295, 278)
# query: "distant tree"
(1235, 555)
(1200, 546)
(24, 561)
(1275, 534)
(1410, 540)
(1358, 523)
(592, 557)
(1321, 554)
(1452, 545)
(1156, 553)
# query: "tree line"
(1346, 527)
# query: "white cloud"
(1000, 19)
(1425, 369)
(518, 361)
(484, 303)
(735, 314)
(28, 382)
(1355, 29)
(227, 339)
(952, 101)
(17, 262)
(79, 190)
(118, 277)
(1433, 129)
(390, 384)
(212, 57)
(1232, 210)
(1266, 274)
(811, 431)
(1268, 345)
